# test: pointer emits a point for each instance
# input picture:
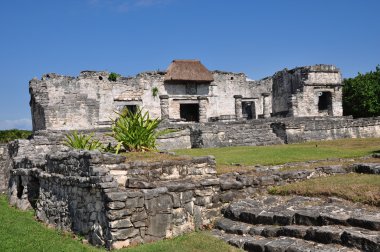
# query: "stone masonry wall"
(253, 132)
(4, 173)
(113, 202)
(316, 129)
(296, 92)
(89, 100)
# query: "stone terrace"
(275, 223)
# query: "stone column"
(266, 111)
(202, 101)
(238, 108)
(164, 104)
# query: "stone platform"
(276, 223)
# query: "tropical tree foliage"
(136, 131)
(82, 141)
(10, 135)
(361, 95)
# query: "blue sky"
(131, 36)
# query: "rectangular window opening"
(189, 112)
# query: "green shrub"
(154, 91)
(82, 141)
(10, 135)
(113, 76)
(136, 131)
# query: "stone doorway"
(325, 102)
(189, 112)
(249, 110)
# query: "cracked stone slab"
(278, 244)
(280, 210)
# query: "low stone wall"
(4, 173)
(179, 139)
(245, 133)
(111, 201)
(242, 133)
(270, 131)
(316, 129)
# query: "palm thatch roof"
(188, 70)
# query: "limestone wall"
(89, 100)
(111, 201)
(180, 139)
(316, 129)
(248, 133)
(296, 92)
(4, 172)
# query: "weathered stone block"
(158, 225)
(123, 223)
(125, 233)
(116, 205)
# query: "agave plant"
(82, 141)
(136, 132)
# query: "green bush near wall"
(10, 135)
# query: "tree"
(361, 95)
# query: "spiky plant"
(82, 141)
(136, 132)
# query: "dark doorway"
(248, 110)
(131, 108)
(33, 191)
(324, 102)
(189, 112)
(20, 187)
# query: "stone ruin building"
(115, 202)
(186, 92)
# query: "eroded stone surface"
(324, 221)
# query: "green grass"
(363, 188)
(193, 242)
(281, 154)
(19, 231)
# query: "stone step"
(359, 238)
(277, 210)
(256, 243)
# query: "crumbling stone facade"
(89, 100)
(4, 171)
(308, 91)
(111, 201)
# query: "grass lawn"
(281, 154)
(19, 231)
(362, 188)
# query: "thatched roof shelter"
(188, 70)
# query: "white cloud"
(24, 123)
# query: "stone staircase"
(235, 134)
(287, 224)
